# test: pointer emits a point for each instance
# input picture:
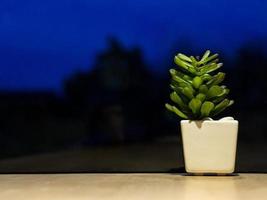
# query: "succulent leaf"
(205, 56)
(210, 68)
(186, 66)
(184, 57)
(181, 75)
(201, 97)
(194, 61)
(203, 89)
(188, 78)
(209, 59)
(188, 92)
(176, 111)
(221, 96)
(181, 80)
(214, 91)
(224, 93)
(195, 105)
(175, 98)
(182, 63)
(206, 108)
(206, 77)
(174, 72)
(197, 81)
(217, 79)
(221, 106)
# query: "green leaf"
(193, 58)
(217, 79)
(203, 89)
(205, 56)
(181, 75)
(206, 108)
(221, 97)
(174, 72)
(182, 85)
(177, 88)
(181, 63)
(214, 91)
(184, 57)
(210, 68)
(176, 111)
(221, 106)
(197, 81)
(188, 67)
(206, 77)
(188, 78)
(180, 80)
(201, 97)
(209, 59)
(194, 61)
(179, 91)
(195, 105)
(192, 70)
(188, 92)
(175, 98)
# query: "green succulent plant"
(197, 92)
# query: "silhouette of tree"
(251, 85)
(119, 85)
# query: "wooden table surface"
(132, 186)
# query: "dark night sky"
(44, 41)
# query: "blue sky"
(44, 41)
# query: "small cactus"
(197, 91)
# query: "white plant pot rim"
(224, 119)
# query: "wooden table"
(132, 186)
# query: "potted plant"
(198, 94)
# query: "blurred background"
(83, 83)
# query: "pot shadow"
(181, 172)
(209, 174)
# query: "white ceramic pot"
(210, 146)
